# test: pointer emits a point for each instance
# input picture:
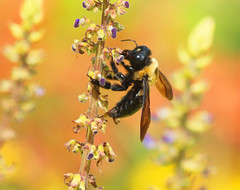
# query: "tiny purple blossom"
(120, 59)
(84, 5)
(90, 156)
(102, 81)
(74, 48)
(76, 23)
(126, 4)
(114, 33)
(208, 118)
(111, 159)
(149, 142)
(168, 137)
(39, 91)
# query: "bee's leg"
(109, 86)
(121, 77)
(127, 67)
(111, 75)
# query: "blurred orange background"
(39, 153)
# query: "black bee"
(142, 72)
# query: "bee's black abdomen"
(129, 104)
(127, 108)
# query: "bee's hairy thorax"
(151, 70)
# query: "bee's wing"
(164, 86)
(146, 115)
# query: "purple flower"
(84, 5)
(114, 33)
(76, 23)
(120, 59)
(126, 4)
(74, 48)
(102, 81)
(90, 156)
(208, 118)
(149, 142)
(168, 137)
(39, 91)
(111, 159)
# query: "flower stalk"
(185, 122)
(18, 92)
(91, 120)
(93, 107)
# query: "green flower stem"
(93, 107)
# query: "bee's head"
(138, 57)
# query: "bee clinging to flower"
(142, 72)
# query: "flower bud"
(84, 4)
(90, 156)
(113, 14)
(125, 4)
(76, 180)
(102, 81)
(119, 59)
(76, 23)
(83, 98)
(114, 33)
(101, 35)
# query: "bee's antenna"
(130, 40)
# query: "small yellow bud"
(34, 57)
(19, 73)
(92, 27)
(83, 98)
(101, 35)
(76, 180)
(202, 36)
(199, 123)
(81, 121)
(194, 164)
(27, 106)
(184, 56)
(6, 85)
(91, 74)
(16, 30)
(36, 35)
(198, 88)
